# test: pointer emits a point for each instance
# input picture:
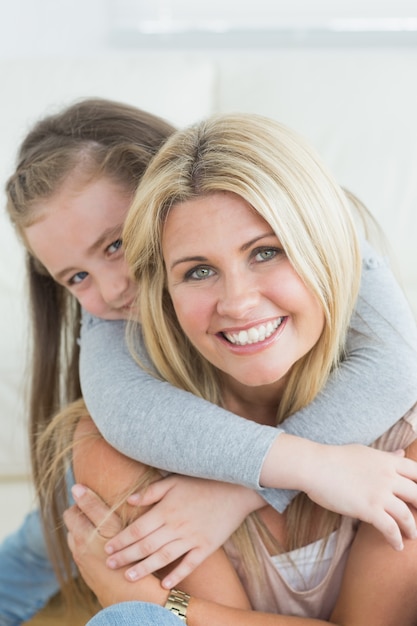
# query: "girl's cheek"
(92, 304)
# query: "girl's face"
(236, 295)
(77, 237)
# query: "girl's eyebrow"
(243, 248)
(113, 231)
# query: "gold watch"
(177, 603)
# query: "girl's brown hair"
(108, 139)
(92, 138)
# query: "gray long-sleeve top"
(160, 425)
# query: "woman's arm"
(111, 587)
(100, 467)
(378, 587)
(372, 388)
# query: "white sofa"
(357, 106)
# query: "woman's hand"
(88, 532)
(190, 518)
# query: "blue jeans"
(135, 614)
(27, 580)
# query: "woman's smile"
(253, 335)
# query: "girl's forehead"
(92, 194)
(77, 216)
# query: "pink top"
(275, 594)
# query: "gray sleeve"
(151, 421)
(161, 425)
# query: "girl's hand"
(88, 532)
(190, 518)
(368, 484)
(354, 480)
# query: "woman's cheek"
(193, 309)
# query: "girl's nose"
(113, 290)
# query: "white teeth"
(254, 334)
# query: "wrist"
(252, 501)
(290, 463)
(177, 603)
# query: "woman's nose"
(238, 296)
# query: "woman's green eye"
(199, 274)
(203, 272)
(265, 255)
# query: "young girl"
(75, 178)
(120, 140)
(254, 316)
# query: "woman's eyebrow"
(250, 243)
(187, 259)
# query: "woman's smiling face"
(235, 293)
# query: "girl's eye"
(199, 273)
(115, 246)
(77, 278)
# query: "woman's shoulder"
(402, 434)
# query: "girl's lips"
(128, 305)
(254, 334)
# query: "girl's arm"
(372, 388)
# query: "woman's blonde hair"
(282, 178)
(278, 174)
(55, 448)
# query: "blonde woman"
(249, 264)
(75, 177)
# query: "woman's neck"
(259, 404)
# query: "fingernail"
(167, 584)
(111, 563)
(132, 575)
(109, 549)
(78, 491)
